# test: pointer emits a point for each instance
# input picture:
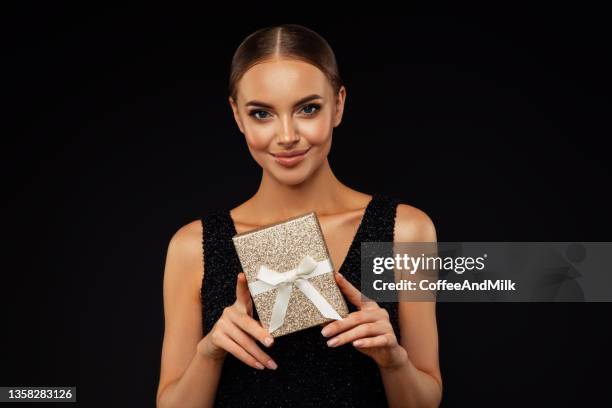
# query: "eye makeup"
(255, 112)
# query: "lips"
(290, 153)
(290, 158)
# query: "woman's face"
(287, 106)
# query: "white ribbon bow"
(269, 279)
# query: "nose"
(287, 133)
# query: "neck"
(322, 192)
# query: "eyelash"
(314, 105)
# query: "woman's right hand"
(235, 332)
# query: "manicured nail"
(357, 343)
(325, 331)
(268, 341)
(332, 342)
(272, 365)
(259, 365)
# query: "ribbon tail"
(279, 310)
(319, 301)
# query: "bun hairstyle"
(291, 41)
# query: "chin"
(290, 178)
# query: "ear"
(234, 107)
(340, 99)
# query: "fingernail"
(259, 365)
(272, 365)
(268, 341)
(357, 343)
(325, 331)
(340, 275)
(332, 342)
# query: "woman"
(287, 97)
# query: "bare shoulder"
(413, 225)
(185, 252)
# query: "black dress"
(309, 372)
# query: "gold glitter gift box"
(290, 275)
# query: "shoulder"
(187, 239)
(413, 225)
(185, 249)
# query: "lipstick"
(290, 158)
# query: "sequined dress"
(309, 372)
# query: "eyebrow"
(301, 101)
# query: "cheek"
(316, 131)
(259, 137)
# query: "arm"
(191, 365)
(416, 380)
(187, 377)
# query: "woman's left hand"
(369, 329)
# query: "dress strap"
(221, 265)
(216, 231)
(379, 222)
(378, 225)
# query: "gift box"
(290, 275)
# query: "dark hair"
(287, 40)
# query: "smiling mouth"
(290, 159)
(291, 153)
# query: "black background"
(118, 132)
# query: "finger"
(251, 326)
(232, 347)
(352, 293)
(243, 296)
(363, 330)
(382, 340)
(247, 343)
(353, 320)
